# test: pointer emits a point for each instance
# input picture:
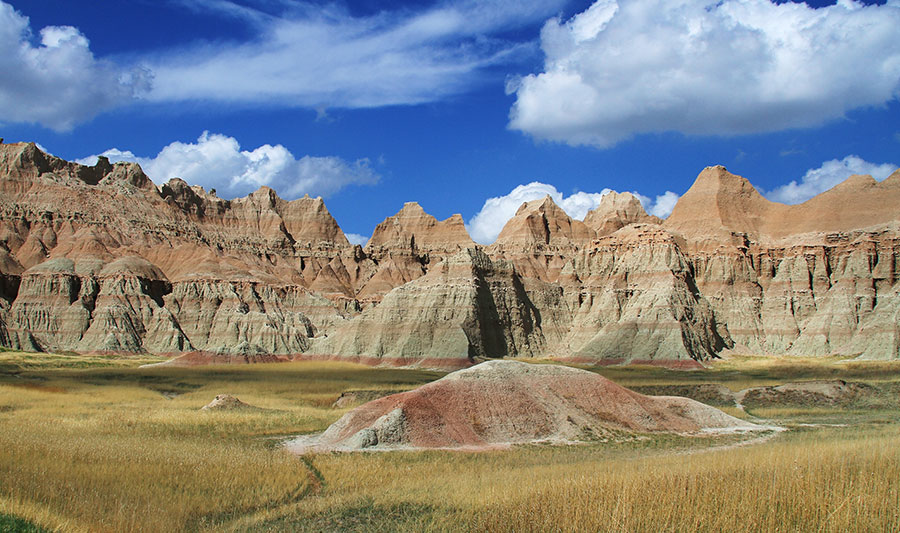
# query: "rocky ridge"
(101, 259)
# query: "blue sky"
(464, 106)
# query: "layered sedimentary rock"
(414, 229)
(617, 210)
(544, 222)
(99, 258)
(719, 203)
(466, 306)
(625, 296)
(406, 244)
(801, 279)
(640, 301)
(50, 308)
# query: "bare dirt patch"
(807, 393)
(227, 402)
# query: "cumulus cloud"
(356, 238)
(660, 206)
(319, 57)
(818, 180)
(704, 67)
(301, 54)
(217, 161)
(57, 82)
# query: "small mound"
(226, 402)
(808, 393)
(709, 393)
(510, 402)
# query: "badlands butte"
(101, 259)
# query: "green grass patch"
(14, 524)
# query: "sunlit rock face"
(617, 210)
(101, 259)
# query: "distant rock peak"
(413, 228)
(720, 204)
(543, 222)
(617, 210)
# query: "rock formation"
(415, 230)
(227, 402)
(466, 306)
(641, 302)
(802, 279)
(98, 258)
(543, 222)
(510, 402)
(617, 210)
(404, 245)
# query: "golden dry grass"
(739, 372)
(825, 480)
(102, 448)
(818, 482)
(106, 450)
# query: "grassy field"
(91, 443)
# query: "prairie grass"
(123, 449)
(116, 462)
(112, 447)
(837, 481)
(739, 372)
(12, 361)
(831, 479)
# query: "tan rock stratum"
(101, 259)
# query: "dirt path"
(313, 487)
(775, 431)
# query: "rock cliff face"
(404, 245)
(640, 301)
(101, 259)
(803, 279)
(466, 306)
(415, 230)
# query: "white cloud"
(356, 238)
(661, 206)
(217, 161)
(58, 82)
(305, 55)
(319, 57)
(706, 67)
(485, 226)
(818, 180)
